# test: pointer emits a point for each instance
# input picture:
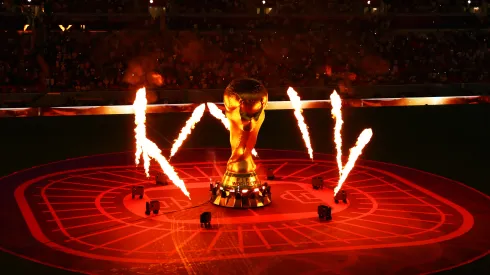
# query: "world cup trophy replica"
(245, 101)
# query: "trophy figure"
(245, 101)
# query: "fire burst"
(296, 102)
(337, 115)
(217, 113)
(189, 125)
(355, 151)
(146, 148)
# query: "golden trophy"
(245, 101)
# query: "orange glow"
(355, 151)
(187, 129)
(146, 148)
(157, 79)
(217, 113)
(296, 103)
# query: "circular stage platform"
(78, 214)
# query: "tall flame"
(148, 149)
(337, 115)
(355, 151)
(296, 102)
(187, 129)
(139, 107)
(217, 113)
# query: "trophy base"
(241, 191)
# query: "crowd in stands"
(242, 6)
(80, 6)
(207, 57)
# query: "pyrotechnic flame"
(296, 102)
(217, 113)
(355, 152)
(337, 115)
(189, 126)
(146, 148)
(139, 107)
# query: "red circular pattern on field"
(88, 212)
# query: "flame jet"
(355, 151)
(187, 129)
(296, 102)
(146, 148)
(337, 115)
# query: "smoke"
(144, 69)
(142, 65)
(141, 71)
(374, 65)
(194, 49)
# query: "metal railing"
(275, 94)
